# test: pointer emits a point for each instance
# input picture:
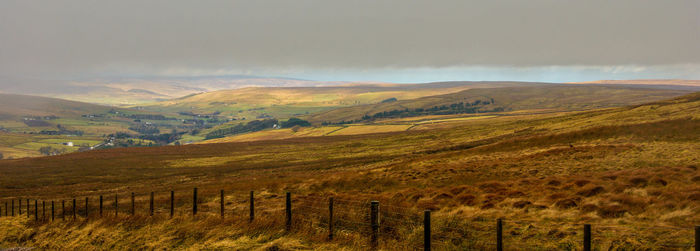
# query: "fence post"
(587, 237)
(172, 203)
(697, 238)
(19, 207)
(12, 209)
(133, 204)
(86, 208)
(499, 235)
(426, 230)
(194, 202)
(288, 211)
(101, 206)
(116, 205)
(222, 203)
(330, 218)
(74, 209)
(53, 218)
(63, 210)
(36, 210)
(374, 223)
(43, 210)
(151, 205)
(252, 206)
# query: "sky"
(46, 42)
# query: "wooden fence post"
(63, 209)
(101, 203)
(499, 235)
(151, 205)
(587, 237)
(194, 202)
(697, 238)
(426, 230)
(116, 205)
(133, 204)
(288, 211)
(12, 208)
(252, 206)
(74, 209)
(222, 203)
(19, 207)
(374, 223)
(172, 203)
(53, 217)
(28, 214)
(43, 210)
(36, 210)
(330, 218)
(87, 208)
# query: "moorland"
(622, 158)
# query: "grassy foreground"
(631, 172)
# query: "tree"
(291, 122)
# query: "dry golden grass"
(631, 172)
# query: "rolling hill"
(26, 105)
(284, 102)
(550, 97)
(629, 171)
(659, 83)
(30, 123)
(126, 91)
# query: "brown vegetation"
(635, 180)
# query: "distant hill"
(21, 105)
(662, 83)
(282, 102)
(556, 97)
(147, 89)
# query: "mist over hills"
(137, 90)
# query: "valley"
(544, 171)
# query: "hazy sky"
(402, 41)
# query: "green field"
(20, 137)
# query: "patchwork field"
(630, 171)
(29, 123)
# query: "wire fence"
(374, 224)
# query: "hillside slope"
(660, 83)
(30, 123)
(551, 97)
(26, 105)
(283, 102)
(630, 171)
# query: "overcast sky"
(396, 41)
